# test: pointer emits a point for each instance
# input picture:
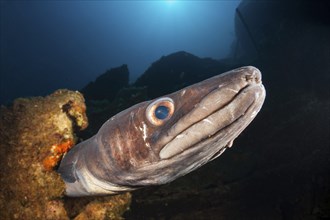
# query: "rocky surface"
(29, 130)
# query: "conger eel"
(157, 141)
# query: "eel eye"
(159, 111)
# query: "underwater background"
(278, 168)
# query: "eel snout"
(220, 109)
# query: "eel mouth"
(221, 114)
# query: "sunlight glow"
(170, 2)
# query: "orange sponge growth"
(57, 152)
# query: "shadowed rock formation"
(177, 70)
(107, 85)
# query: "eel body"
(157, 141)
